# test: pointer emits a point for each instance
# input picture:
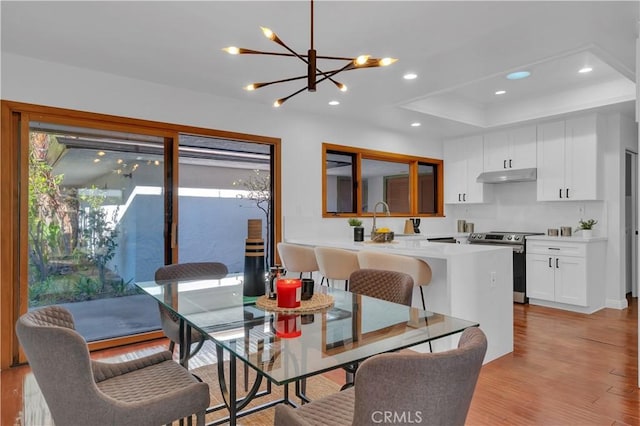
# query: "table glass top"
(286, 347)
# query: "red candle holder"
(288, 326)
(289, 292)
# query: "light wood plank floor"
(566, 369)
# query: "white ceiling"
(461, 52)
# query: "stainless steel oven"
(515, 240)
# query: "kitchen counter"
(472, 282)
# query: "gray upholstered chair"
(153, 390)
(185, 271)
(391, 286)
(428, 389)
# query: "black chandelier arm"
(284, 80)
(283, 100)
(243, 51)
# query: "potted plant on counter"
(358, 230)
(586, 226)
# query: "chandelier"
(314, 75)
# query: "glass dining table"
(286, 348)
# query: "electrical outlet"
(492, 279)
(581, 210)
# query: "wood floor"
(566, 369)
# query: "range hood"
(509, 175)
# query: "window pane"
(223, 184)
(427, 188)
(339, 184)
(386, 181)
(95, 226)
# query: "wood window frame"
(413, 162)
(14, 144)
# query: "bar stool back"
(298, 258)
(336, 264)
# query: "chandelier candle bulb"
(289, 291)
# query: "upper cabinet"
(568, 160)
(463, 162)
(510, 149)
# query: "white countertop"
(409, 247)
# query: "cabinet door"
(540, 277)
(522, 143)
(455, 171)
(496, 151)
(581, 158)
(551, 161)
(475, 166)
(571, 280)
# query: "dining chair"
(392, 286)
(336, 264)
(185, 271)
(430, 389)
(153, 390)
(419, 270)
(298, 258)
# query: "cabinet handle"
(459, 197)
(560, 192)
(504, 164)
(510, 166)
(464, 197)
(557, 263)
(567, 192)
(550, 263)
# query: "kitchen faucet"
(385, 208)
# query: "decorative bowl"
(382, 237)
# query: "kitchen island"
(472, 282)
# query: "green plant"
(86, 288)
(354, 221)
(586, 224)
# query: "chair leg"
(172, 345)
(424, 307)
(322, 281)
(346, 285)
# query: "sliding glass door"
(95, 225)
(223, 184)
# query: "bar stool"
(336, 264)
(419, 270)
(298, 258)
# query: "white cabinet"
(510, 149)
(568, 160)
(462, 165)
(566, 273)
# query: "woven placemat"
(317, 302)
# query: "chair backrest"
(335, 263)
(391, 286)
(419, 270)
(194, 270)
(60, 361)
(297, 258)
(432, 388)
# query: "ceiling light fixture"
(518, 75)
(416, 124)
(334, 103)
(501, 92)
(585, 70)
(410, 76)
(313, 72)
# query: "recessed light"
(585, 70)
(416, 124)
(410, 76)
(501, 92)
(101, 153)
(518, 75)
(334, 103)
(96, 160)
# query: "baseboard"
(616, 303)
